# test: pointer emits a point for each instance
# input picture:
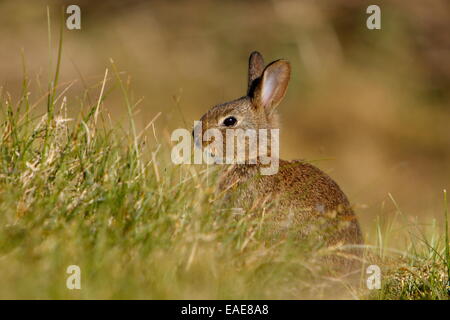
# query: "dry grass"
(78, 185)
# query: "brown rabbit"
(302, 193)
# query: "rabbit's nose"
(196, 135)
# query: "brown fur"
(298, 189)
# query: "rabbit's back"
(299, 189)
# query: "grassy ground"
(89, 192)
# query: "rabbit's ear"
(272, 85)
(255, 68)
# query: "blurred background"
(370, 107)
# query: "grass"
(420, 271)
(89, 192)
(84, 192)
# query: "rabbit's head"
(257, 109)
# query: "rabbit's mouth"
(210, 149)
(202, 138)
(211, 152)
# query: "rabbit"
(302, 194)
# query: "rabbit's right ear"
(255, 68)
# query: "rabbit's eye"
(230, 121)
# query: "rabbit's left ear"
(272, 85)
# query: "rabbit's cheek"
(206, 144)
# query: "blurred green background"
(370, 107)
